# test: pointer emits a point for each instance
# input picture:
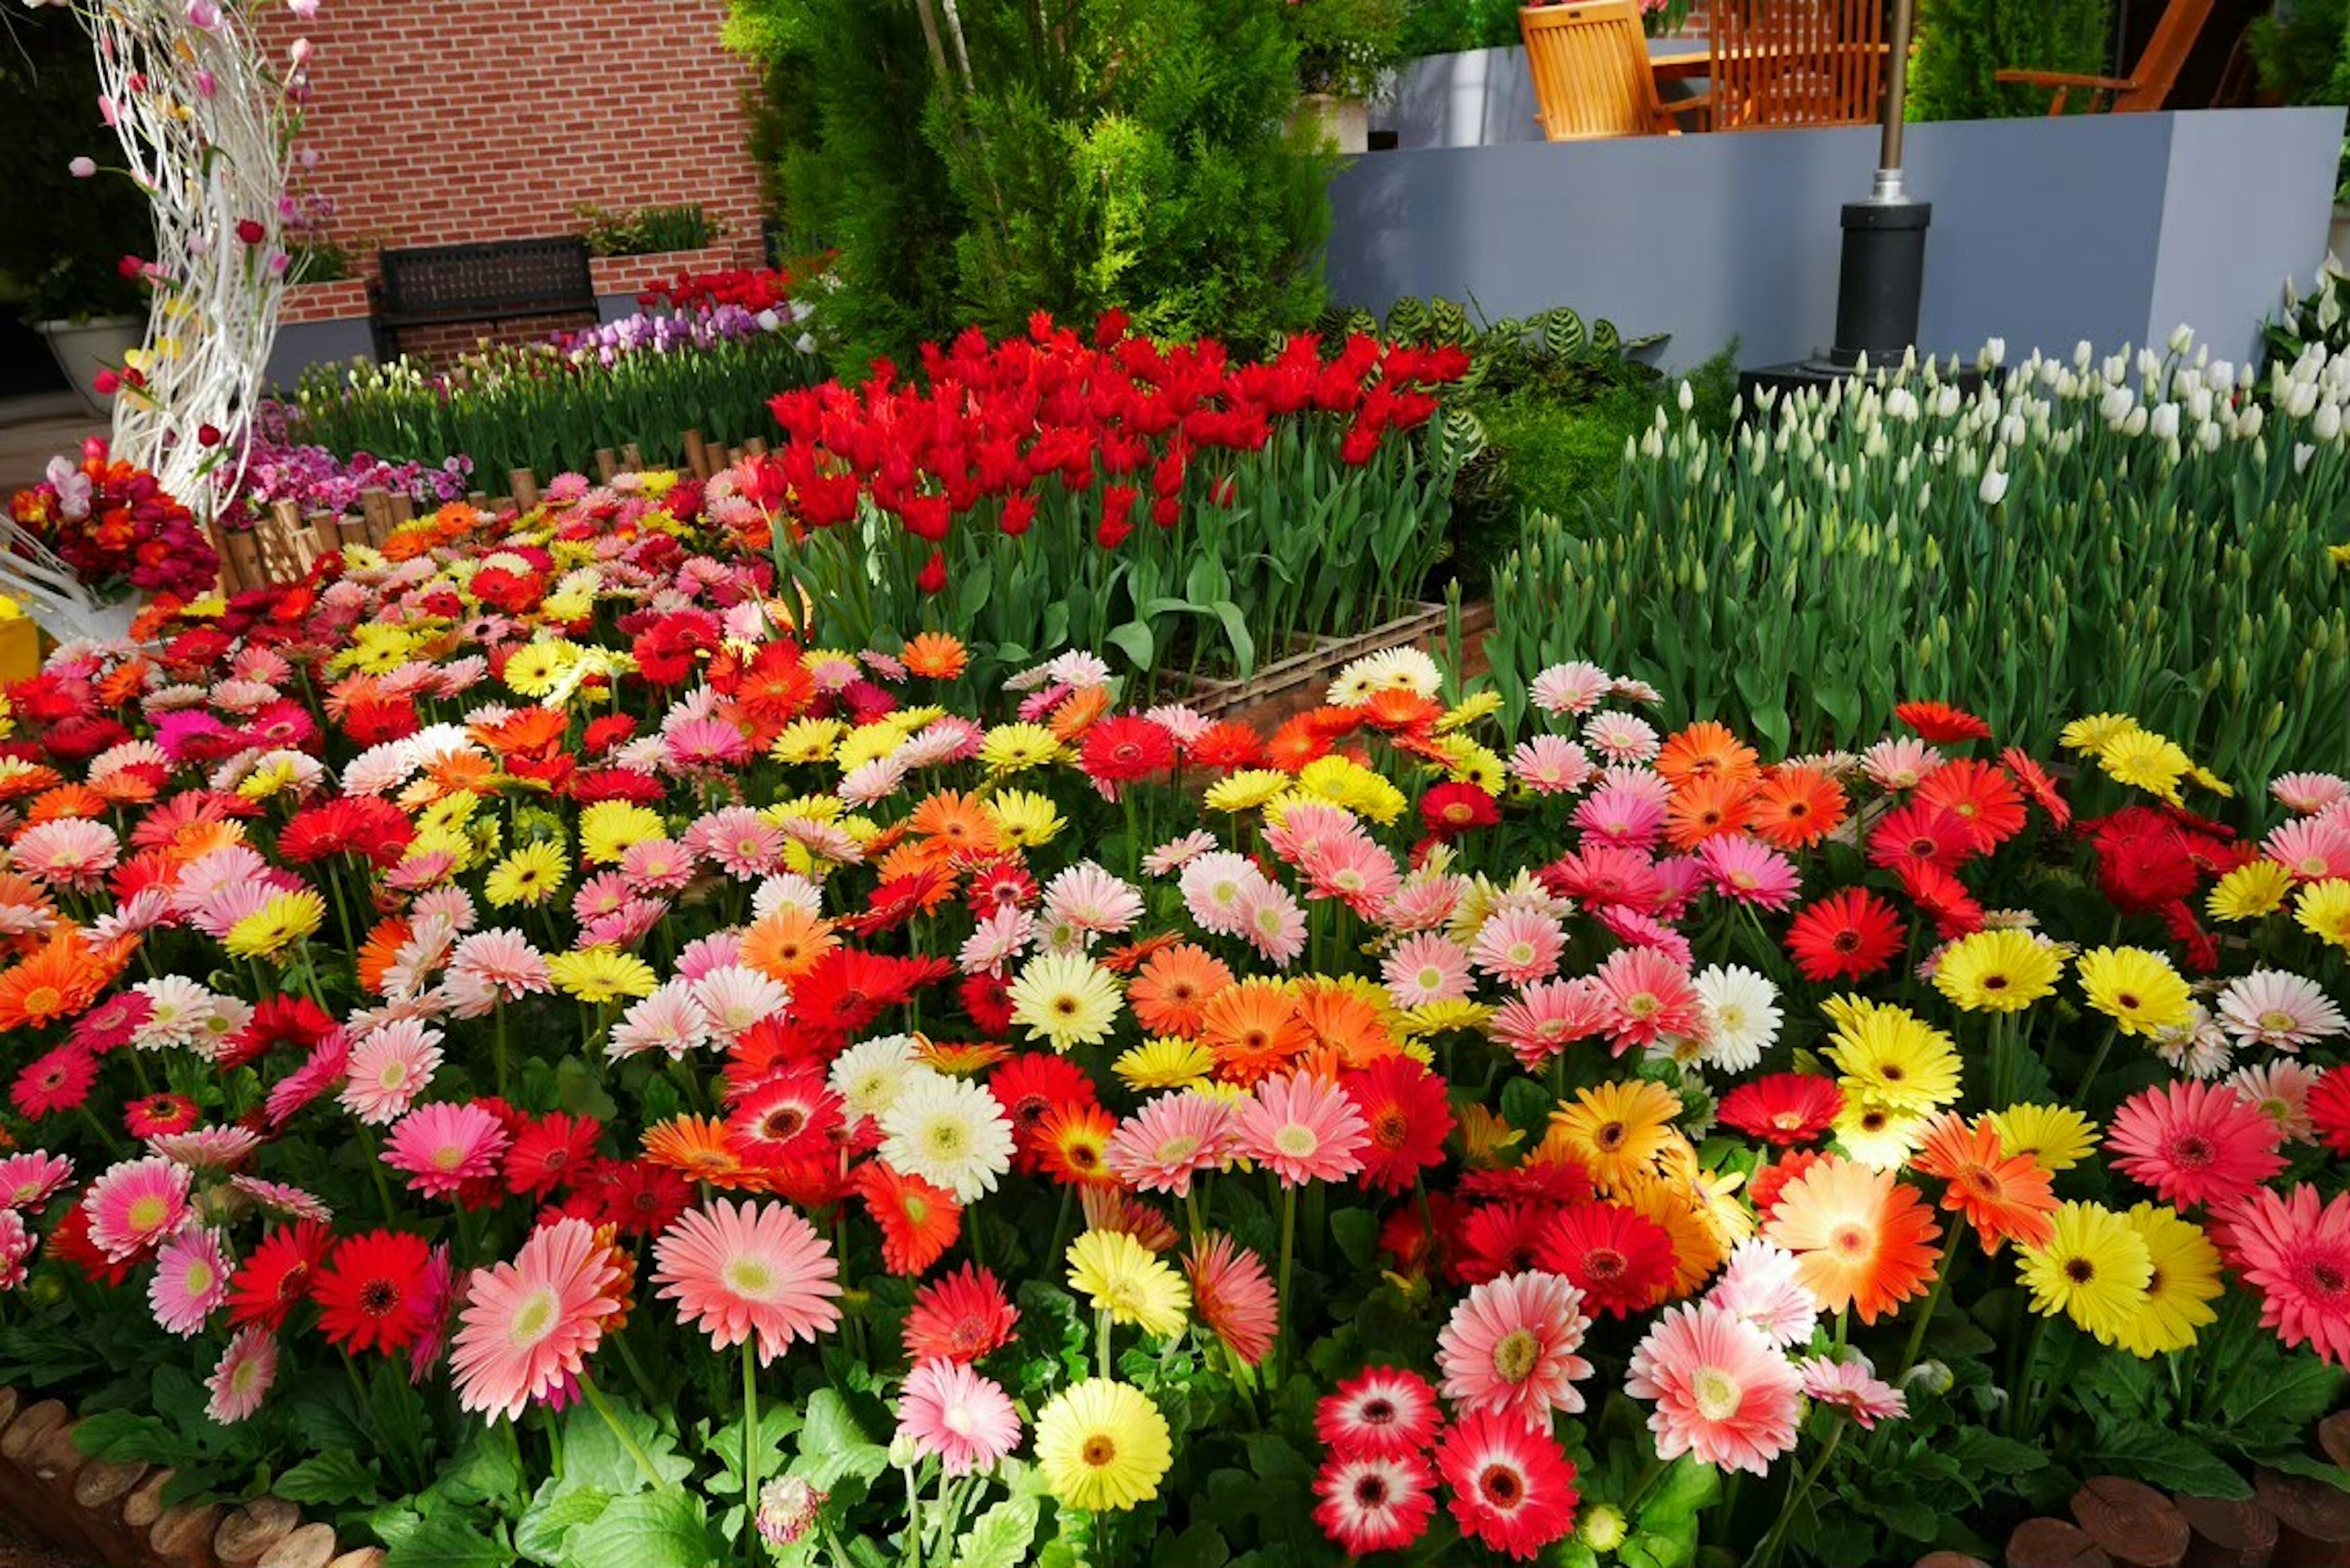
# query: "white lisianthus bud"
(1993, 488)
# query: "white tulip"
(1994, 351)
(2182, 339)
(2327, 421)
(2165, 422)
(1993, 488)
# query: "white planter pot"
(2337, 236)
(1343, 124)
(83, 348)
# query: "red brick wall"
(440, 122)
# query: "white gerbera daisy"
(2271, 1007)
(1741, 1015)
(870, 1075)
(950, 1132)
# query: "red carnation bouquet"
(118, 528)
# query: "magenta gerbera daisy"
(2194, 1143)
(132, 1207)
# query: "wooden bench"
(499, 281)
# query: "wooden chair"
(1591, 77)
(2145, 89)
(1782, 63)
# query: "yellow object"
(20, 645)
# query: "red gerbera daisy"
(1495, 1239)
(292, 1021)
(1784, 1108)
(1382, 1411)
(788, 1118)
(372, 1292)
(1124, 748)
(1941, 723)
(1373, 1503)
(1070, 1144)
(1555, 1178)
(987, 1002)
(550, 1152)
(1983, 797)
(1622, 1259)
(2328, 1108)
(1030, 1087)
(1455, 809)
(1768, 1181)
(277, 1275)
(1848, 935)
(1943, 897)
(151, 1115)
(2194, 1143)
(2035, 782)
(642, 1198)
(1404, 1105)
(919, 1221)
(1512, 1489)
(959, 1316)
(1920, 831)
(70, 1242)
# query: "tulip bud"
(1995, 352)
(1993, 489)
(1688, 398)
(2327, 421)
(2182, 339)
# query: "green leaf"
(2286, 1396)
(1356, 1232)
(1909, 1516)
(1526, 1104)
(1678, 1495)
(1000, 1537)
(1202, 1546)
(1133, 640)
(336, 1476)
(592, 1455)
(650, 1530)
(445, 1540)
(1236, 633)
(559, 1504)
(1976, 1451)
(833, 1444)
(2296, 1464)
(2166, 1459)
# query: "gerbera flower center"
(1296, 1141)
(1516, 1354)
(1377, 1413)
(1392, 1129)
(44, 999)
(146, 1213)
(1846, 940)
(946, 1140)
(533, 1320)
(1849, 1241)
(377, 1297)
(1604, 1264)
(1099, 1452)
(1502, 1486)
(1372, 1491)
(2080, 1271)
(1641, 1004)
(750, 1277)
(1611, 1135)
(2276, 1022)
(783, 1123)
(2190, 1148)
(1715, 1393)
(199, 1278)
(1979, 1180)
(2126, 1001)
(1994, 983)
(2327, 1276)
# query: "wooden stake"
(606, 465)
(2133, 1522)
(2053, 1543)
(2313, 1519)
(526, 488)
(249, 1533)
(312, 1546)
(755, 447)
(2230, 1532)
(632, 457)
(403, 509)
(183, 1536)
(697, 455)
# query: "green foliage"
(1962, 45)
(1344, 46)
(1445, 27)
(2319, 318)
(2302, 51)
(646, 231)
(1129, 155)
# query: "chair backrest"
(1779, 63)
(2174, 38)
(1590, 62)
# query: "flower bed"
(517, 1056)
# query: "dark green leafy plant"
(647, 231)
(2321, 318)
(1962, 45)
(1345, 46)
(1445, 27)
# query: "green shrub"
(1962, 45)
(1445, 27)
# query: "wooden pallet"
(1300, 678)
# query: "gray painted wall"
(2114, 228)
(302, 345)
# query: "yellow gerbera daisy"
(1102, 1446)
(1066, 1000)
(2143, 760)
(1247, 789)
(2095, 732)
(1878, 1136)
(2095, 1269)
(278, 924)
(601, 974)
(1011, 748)
(2184, 1281)
(2000, 969)
(1164, 1063)
(531, 874)
(2057, 1137)
(1026, 818)
(2136, 988)
(1617, 1130)
(607, 827)
(1888, 1057)
(807, 741)
(2324, 911)
(1125, 1279)
(2256, 887)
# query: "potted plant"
(1344, 48)
(90, 318)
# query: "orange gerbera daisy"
(19, 778)
(1173, 989)
(935, 656)
(960, 823)
(788, 943)
(194, 840)
(67, 800)
(2004, 1199)
(1706, 804)
(1706, 750)
(124, 681)
(58, 982)
(1070, 1142)
(1347, 1030)
(1077, 712)
(1861, 1238)
(1795, 807)
(1255, 1029)
(1392, 709)
(1129, 957)
(526, 729)
(380, 949)
(1294, 744)
(696, 1148)
(923, 857)
(918, 1221)
(1672, 1206)
(128, 786)
(23, 906)
(961, 1058)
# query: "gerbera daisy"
(134, 1206)
(56, 1080)
(1620, 1259)
(2194, 1143)
(1940, 723)
(963, 1419)
(1509, 1347)
(1746, 872)
(1890, 1057)
(1762, 1284)
(1172, 1138)
(1861, 1240)
(1382, 1411)
(1512, 1489)
(961, 1316)
(1783, 1108)
(2270, 1007)
(191, 1275)
(1254, 1029)
(1232, 1295)
(737, 1270)
(1854, 1388)
(389, 1069)
(1516, 947)
(2279, 1089)
(2093, 1269)
(1407, 1117)
(919, 1221)
(1649, 996)
(371, 1291)
(1983, 797)
(870, 1075)
(29, 1180)
(1848, 935)
(2136, 988)
(950, 1132)
(1722, 1391)
(528, 1327)
(1173, 986)
(1795, 807)
(548, 1151)
(2000, 970)
(1548, 1016)
(1102, 1446)
(277, 1275)
(2295, 1249)
(1373, 1503)
(2006, 1197)
(443, 1146)
(1119, 1276)
(242, 1379)
(2058, 1137)
(1066, 1000)
(1741, 1016)
(1302, 1127)
(1030, 1087)
(1616, 1130)
(2182, 1281)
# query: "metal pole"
(1897, 96)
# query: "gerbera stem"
(373, 1151)
(628, 1439)
(1933, 1301)
(913, 1521)
(113, 1150)
(2081, 1096)
(1281, 1303)
(752, 1450)
(1101, 1338)
(498, 1047)
(1768, 1552)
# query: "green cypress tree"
(1962, 45)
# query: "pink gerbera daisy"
(1509, 1347)
(754, 1268)
(2270, 1007)
(1621, 815)
(1385, 1411)
(1621, 737)
(2305, 794)
(2193, 1143)
(1575, 687)
(1512, 1488)
(1853, 1386)
(2313, 848)
(500, 965)
(17, 1242)
(132, 1207)
(1171, 1139)
(443, 1146)
(29, 1180)
(1357, 872)
(389, 1069)
(528, 1326)
(1899, 764)
(67, 853)
(1748, 871)
(2279, 1090)
(1519, 947)
(1548, 1016)
(1426, 968)
(279, 1198)
(1373, 1503)
(247, 1367)
(1762, 1285)
(1273, 921)
(1551, 765)
(1649, 996)
(1302, 1128)
(947, 1409)
(191, 1275)
(2296, 1253)
(1232, 1295)
(1722, 1390)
